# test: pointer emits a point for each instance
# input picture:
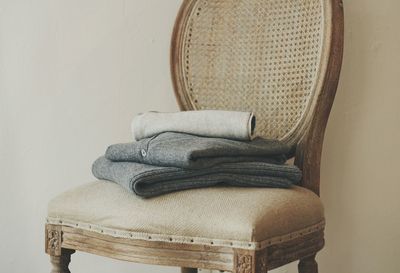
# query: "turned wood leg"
(60, 263)
(308, 265)
(188, 270)
(59, 257)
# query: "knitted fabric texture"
(210, 123)
(148, 180)
(195, 152)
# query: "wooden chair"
(278, 58)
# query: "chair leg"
(61, 263)
(188, 270)
(308, 265)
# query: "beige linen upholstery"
(249, 218)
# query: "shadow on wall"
(358, 152)
(340, 141)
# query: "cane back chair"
(278, 58)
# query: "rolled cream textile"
(195, 152)
(209, 123)
(148, 180)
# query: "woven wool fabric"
(149, 181)
(223, 214)
(211, 123)
(195, 152)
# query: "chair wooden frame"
(62, 241)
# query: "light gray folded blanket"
(148, 180)
(211, 123)
(195, 152)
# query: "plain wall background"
(73, 74)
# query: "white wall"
(73, 73)
(360, 170)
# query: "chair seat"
(240, 217)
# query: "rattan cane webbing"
(263, 56)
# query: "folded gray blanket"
(211, 123)
(148, 181)
(195, 152)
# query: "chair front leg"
(308, 265)
(60, 263)
(59, 257)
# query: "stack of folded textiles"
(195, 149)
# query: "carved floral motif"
(53, 241)
(244, 264)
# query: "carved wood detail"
(53, 240)
(244, 263)
(184, 255)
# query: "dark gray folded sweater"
(195, 152)
(148, 181)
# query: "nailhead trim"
(188, 240)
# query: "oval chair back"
(280, 59)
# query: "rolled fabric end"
(209, 123)
(252, 126)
